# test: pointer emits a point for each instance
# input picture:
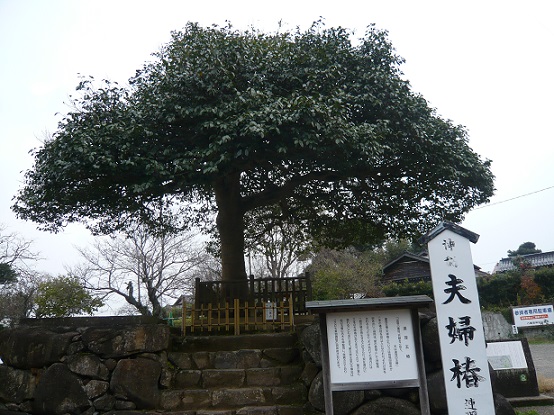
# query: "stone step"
(236, 359)
(253, 410)
(236, 378)
(250, 374)
(213, 343)
(289, 396)
(271, 410)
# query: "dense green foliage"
(338, 274)
(499, 290)
(519, 287)
(525, 248)
(7, 273)
(303, 127)
(64, 297)
(345, 274)
(408, 288)
(545, 279)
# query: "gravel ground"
(543, 359)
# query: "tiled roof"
(423, 257)
(543, 259)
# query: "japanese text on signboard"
(371, 346)
(460, 326)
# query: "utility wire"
(514, 198)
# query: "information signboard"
(372, 343)
(536, 315)
(375, 345)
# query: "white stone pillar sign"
(462, 341)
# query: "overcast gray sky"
(488, 65)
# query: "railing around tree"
(255, 304)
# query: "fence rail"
(256, 290)
(254, 304)
(238, 316)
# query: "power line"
(514, 198)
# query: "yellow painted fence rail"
(238, 316)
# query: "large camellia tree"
(251, 129)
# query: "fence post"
(251, 289)
(308, 286)
(237, 316)
(197, 293)
(291, 313)
(184, 317)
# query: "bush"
(545, 279)
(499, 290)
(408, 288)
(64, 297)
(345, 274)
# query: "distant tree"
(142, 268)
(525, 248)
(544, 277)
(520, 286)
(279, 252)
(322, 130)
(340, 274)
(17, 299)
(530, 292)
(392, 249)
(7, 273)
(16, 255)
(18, 279)
(64, 297)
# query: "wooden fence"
(255, 304)
(238, 316)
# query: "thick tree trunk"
(230, 224)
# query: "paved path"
(543, 359)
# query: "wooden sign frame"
(378, 311)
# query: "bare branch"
(143, 269)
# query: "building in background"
(413, 268)
(534, 261)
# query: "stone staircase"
(252, 374)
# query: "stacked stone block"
(134, 366)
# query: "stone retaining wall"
(111, 365)
(72, 365)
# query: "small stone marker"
(513, 367)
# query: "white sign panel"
(270, 311)
(463, 349)
(375, 345)
(506, 355)
(536, 315)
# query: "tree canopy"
(18, 279)
(525, 248)
(309, 127)
(7, 273)
(64, 297)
